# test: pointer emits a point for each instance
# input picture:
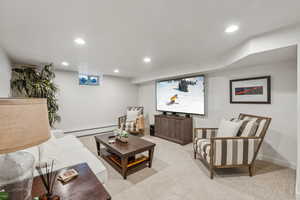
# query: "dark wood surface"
(174, 128)
(134, 146)
(84, 186)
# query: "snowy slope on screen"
(182, 95)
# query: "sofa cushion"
(68, 151)
(50, 149)
(35, 152)
(68, 142)
(57, 133)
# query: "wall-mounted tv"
(184, 95)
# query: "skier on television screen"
(173, 99)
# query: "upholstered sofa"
(230, 152)
(67, 151)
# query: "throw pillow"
(228, 128)
(132, 115)
(248, 127)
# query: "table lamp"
(23, 124)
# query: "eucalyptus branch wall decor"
(35, 82)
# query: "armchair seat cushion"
(129, 126)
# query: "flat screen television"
(184, 95)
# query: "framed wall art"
(256, 90)
(89, 79)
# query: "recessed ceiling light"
(231, 29)
(116, 71)
(147, 60)
(79, 41)
(65, 63)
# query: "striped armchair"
(136, 126)
(230, 152)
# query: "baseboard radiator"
(92, 131)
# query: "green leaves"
(4, 195)
(29, 82)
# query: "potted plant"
(123, 136)
(36, 82)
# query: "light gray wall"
(298, 122)
(281, 141)
(5, 74)
(92, 106)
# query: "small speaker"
(152, 130)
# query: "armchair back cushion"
(262, 123)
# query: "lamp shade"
(23, 123)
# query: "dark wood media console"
(174, 128)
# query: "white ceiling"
(120, 33)
(268, 57)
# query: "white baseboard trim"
(277, 161)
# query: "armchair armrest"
(140, 122)
(121, 121)
(231, 151)
(204, 133)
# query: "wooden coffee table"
(85, 186)
(122, 156)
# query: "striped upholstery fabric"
(205, 133)
(201, 135)
(129, 126)
(234, 151)
(231, 152)
(203, 148)
(248, 127)
(260, 123)
(135, 108)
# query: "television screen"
(185, 95)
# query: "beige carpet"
(176, 175)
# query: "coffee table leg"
(124, 162)
(150, 157)
(98, 148)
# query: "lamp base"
(16, 174)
